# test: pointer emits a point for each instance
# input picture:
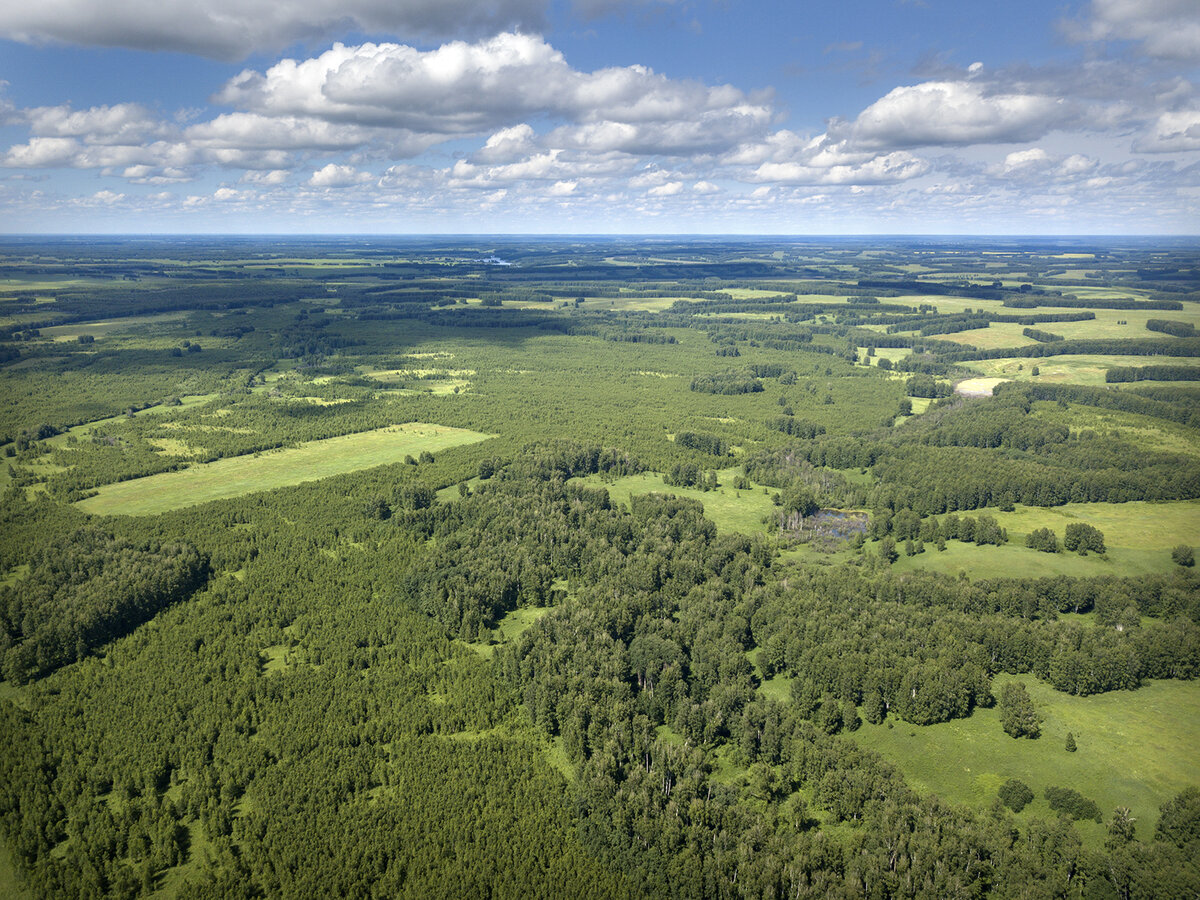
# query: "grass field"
(729, 509)
(265, 471)
(1136, 749)
(108, 326)
(978, 387)
(1134, 526)
(1067, 369)
(1015, 560)
(12, 887)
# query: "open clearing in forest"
(977, 387)
(728, 508)
(511, 626)
(277, 468)
(1136, 749)
(1015, 560)
(1140, 525)
(1068, 368)
(109, 326)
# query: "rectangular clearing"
(277, 468)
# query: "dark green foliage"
(1183, 555)
(1171, 327)
(1069, 802)
(726, 383)
(1015, 794)
(1070, 745)
(927, 386)
(702, 443)
(800, 428)
(887, 550)
(1042, 539)
(1045, 337)
(1081, 537)
(1179, 823)
(1121, 374)
(800, 499)
(84, 593)
(1018, 716)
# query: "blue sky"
(647, 116)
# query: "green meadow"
(728, 508)
(1135, 749)
(1068, 368)
(239, 475)
(1139, 537)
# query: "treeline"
(1023, 301)
(1045, 337)
(1138, 347)
(1121, 374)
(1168, 326)
(1172, 404)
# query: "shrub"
(1081, 538)
(1071, 803)
(1016, 795)
(1018, 716)
(1042, 539)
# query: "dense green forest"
(606, 568)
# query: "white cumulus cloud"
(335, 176)
(492, 86)
(1171, 132)
(948, 113)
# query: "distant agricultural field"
(239, 475)
(1068, 369)
(109, 326)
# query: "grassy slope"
(1136, 749)
(243, 474)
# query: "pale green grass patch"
(106, 327)
(729, 509)
(1015, 560)
(278, 468)
(998, 334)
(778, 688)
(976, 387)
(1068, 369)
(518, 621)
(12, 885)
(1136, 749)
(1140, 525)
